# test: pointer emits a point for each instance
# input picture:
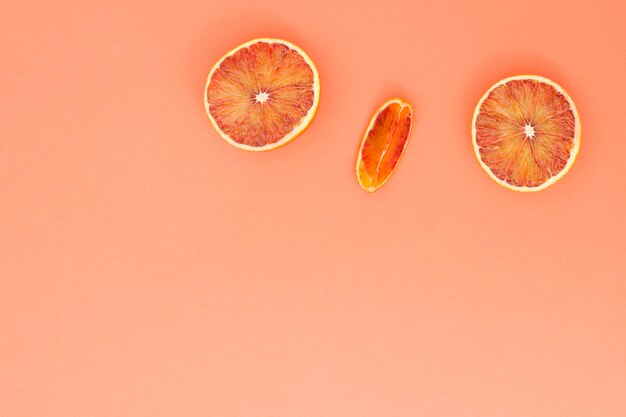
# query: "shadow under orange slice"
(383, 144)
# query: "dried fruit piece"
(262, 94)
(526, 132)
(383, 144)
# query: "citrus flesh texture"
(262, 94)
(526, 132)
(383, 144)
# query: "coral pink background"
(150, 269)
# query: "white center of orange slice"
(262, 97)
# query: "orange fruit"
(262, 94)
(383, 144)
(526, 132)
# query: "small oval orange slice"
(526, 132)
(383, 144)
(262, 94)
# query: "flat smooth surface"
(147, 268)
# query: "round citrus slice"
(383, 144)
(526, 132)
(262, 94)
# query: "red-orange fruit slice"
(262, 94)
(526, 132)
(383, 144)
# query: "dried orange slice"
(383, 144)
(526, 132)
(262, 94)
